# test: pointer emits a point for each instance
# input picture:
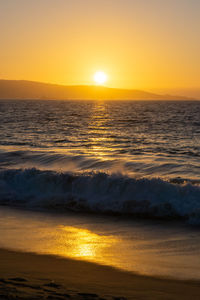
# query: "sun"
(100, 77)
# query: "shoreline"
(32, 276)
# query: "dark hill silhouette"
(22, 89)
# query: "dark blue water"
(123, 156)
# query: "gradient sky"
(141, 44)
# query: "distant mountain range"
(22, 89)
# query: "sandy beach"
(31, 276)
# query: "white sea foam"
(99, 193)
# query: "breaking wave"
(100, 193)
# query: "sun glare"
(100, 78)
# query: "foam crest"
(99, 193)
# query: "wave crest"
(100, 193)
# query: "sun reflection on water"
(84, 244)
(99, 132)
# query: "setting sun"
(100, 77)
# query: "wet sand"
(31, 276)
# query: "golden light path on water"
(82, 243)
(98, 131)
(100, 147)
(47, 234)
(150, 249)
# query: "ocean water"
(136, 158)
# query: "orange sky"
(140, 44)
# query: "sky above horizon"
(140, 44)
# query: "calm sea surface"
(156, 139)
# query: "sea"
(116, 175)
